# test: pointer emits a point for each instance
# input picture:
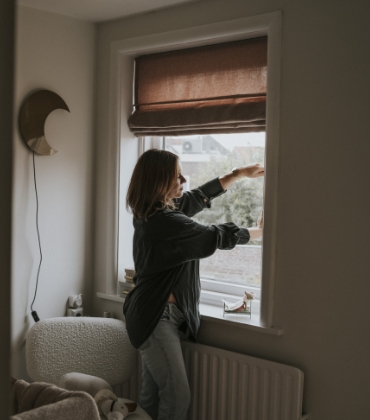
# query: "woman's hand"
(260, 221)
(253, 170)
(256, 233)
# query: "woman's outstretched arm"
(253, 170)
(194, 201)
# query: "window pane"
(206, 157)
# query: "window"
(122, 150)
(192, 97)
(204, 157)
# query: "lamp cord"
(34, 313)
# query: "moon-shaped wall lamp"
(32, 117)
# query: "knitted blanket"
(42, 401)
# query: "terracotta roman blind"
(214, 89)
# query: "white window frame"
(123, 150)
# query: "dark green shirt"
(167, 248)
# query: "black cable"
(34, 313)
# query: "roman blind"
(218, 88)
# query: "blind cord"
(34, 313)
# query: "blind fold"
(214, 89)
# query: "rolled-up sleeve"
(243, 236)
(196, 241)
(194, 201)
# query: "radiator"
(231, 386)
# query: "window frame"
(122, 144)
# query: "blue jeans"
(165, 393)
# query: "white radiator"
(231, 386)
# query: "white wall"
(57, 53)
(322, 271)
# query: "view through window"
(209, 156)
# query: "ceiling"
(101, 10)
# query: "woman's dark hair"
(152, 180)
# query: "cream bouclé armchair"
(99, 347)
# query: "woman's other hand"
(256, 233)
(253, 170)
(260, 221)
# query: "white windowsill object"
(215, 313)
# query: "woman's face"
(176, 191)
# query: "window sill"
(215, 313)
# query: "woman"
(167, 247)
